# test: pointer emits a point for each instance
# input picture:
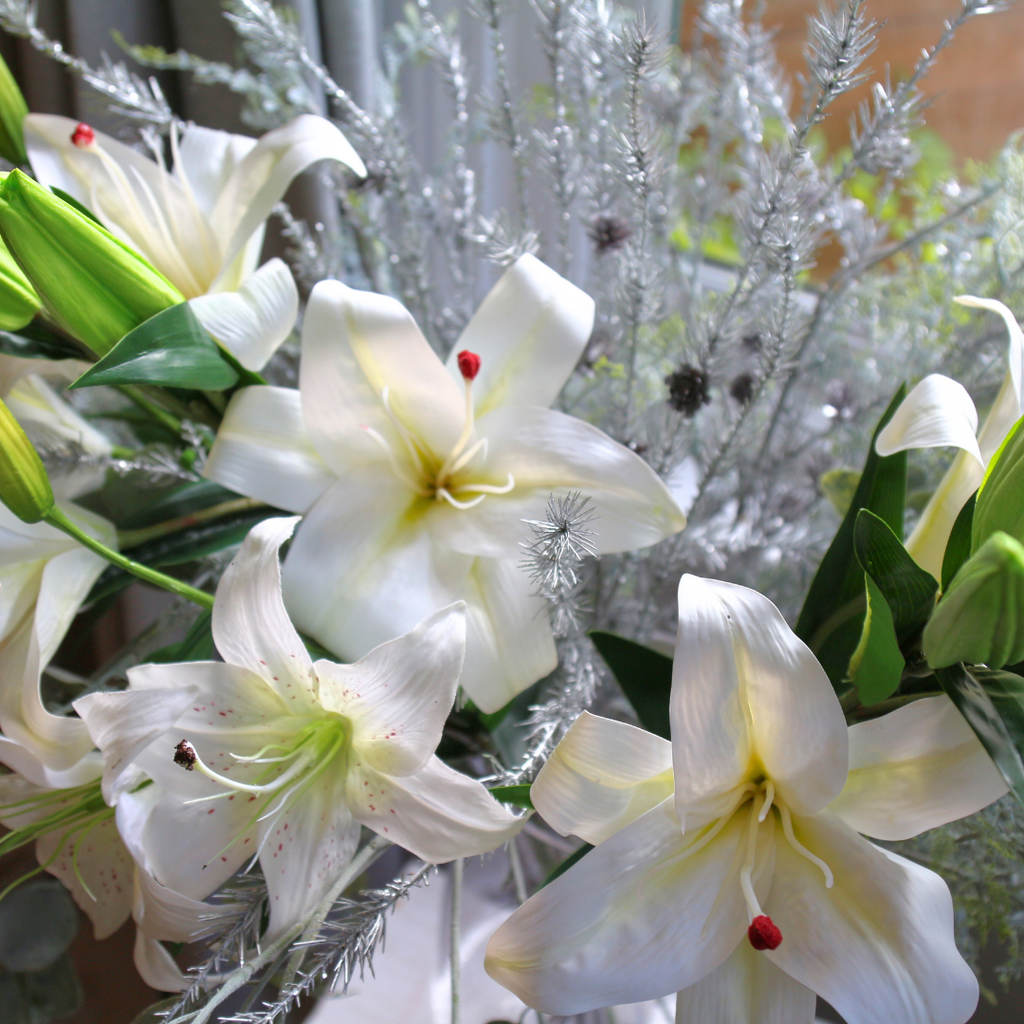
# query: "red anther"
(763, 933)
(469, 364)
(83, 136)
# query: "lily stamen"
(787, 829)
(395, 467)
(303, 761)
(487, 488)
(445, 494)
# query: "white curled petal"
(263, 451)
(634, 919)
(95, 868)
(936, 414)
(744, 686)
(879, 944)
(545, 452)
(1015, 354)
(436, 813)
(399, 695)
(356, 344)
(156, 966)
(123, 724)
(263, 175)
(376, 577)
(602, 775)
(913, 769)
(207, 158)
(250, 625)
(746, 989)
(529, 333)
(21, 760)
(252, 322)
(304, 850)
(509, 643)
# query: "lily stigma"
(443, 481)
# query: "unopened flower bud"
(1001, 498)
(94, 286)
(13, 109)
(978, 620)
(18, 300)
(24, 485)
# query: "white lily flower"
(416, 476)
(289, 758)
(937, 413)
(94, 851)
(202, 223)
(45, 575)
(747, 890)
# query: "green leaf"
(977, 707)
(37, 923)
(1001, 494)
(877, 665)
(831, 620)
(172, 348)
(908, 589)
(197, 646)
(566, 864)
(645, 676)
(1006, 691)
(839, 486)
(34, 341)
(519, 796)
(958, 547)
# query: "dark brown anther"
(185, 755)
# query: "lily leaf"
(958, 547)
(908, 589)
(877, 665)
(1006, 691)
(197, 646)
(33, 341)
(832, 617)
(976, 705)
(172, 349)
(518, 796)
(645, 676)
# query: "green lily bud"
(13, 109)
(24, 485)
(94, 286)
(980, 619)
(1001, 497)
(18, 300)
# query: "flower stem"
(454, 953)
(55, 517)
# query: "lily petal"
(1015, 353)
(251, 627)
(304, 849)
(509, 643)
(529, 332)
(206, 160)
(745, 686)
(436, 813)
(124, 724)
(879, 944)
(156, 966)
(634, 919)
(546, 451)
(263, 450)
(95, 868)
(354, 345)
(264, 174)
(354, 588)
(399, 695)
(21, 760)
(602, 775)
(937, 413)
(913, 769)
(252, 322)
(746, 989)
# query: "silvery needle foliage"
(509, 449)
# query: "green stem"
(455, 951)
(55, 517)
(132, 538)
(154, 410)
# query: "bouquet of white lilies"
(420, 528)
